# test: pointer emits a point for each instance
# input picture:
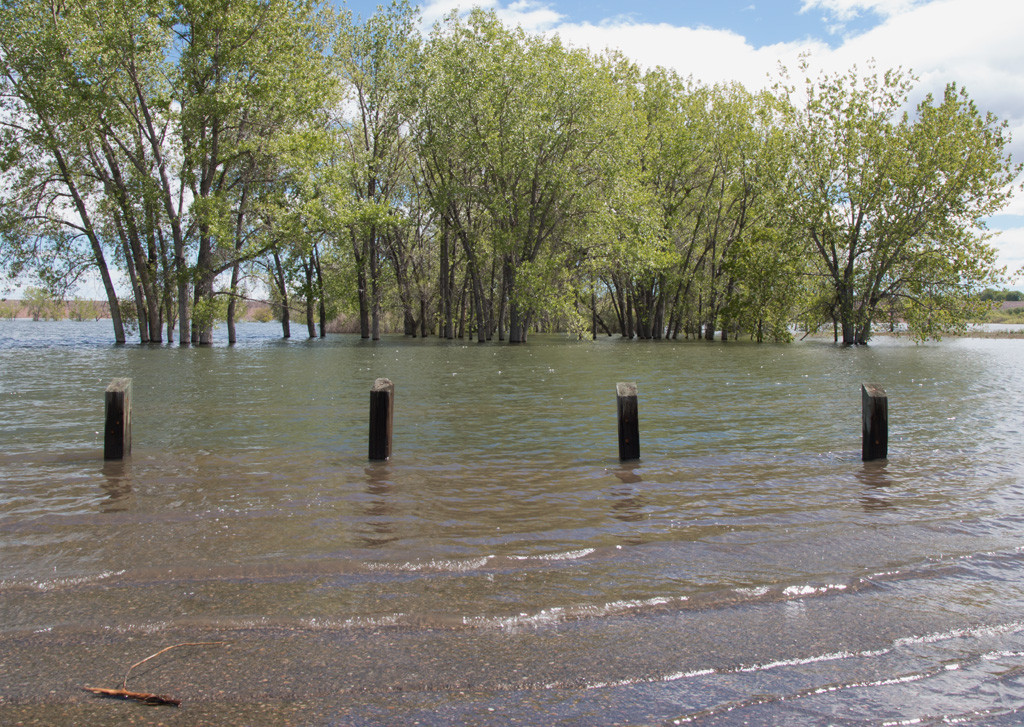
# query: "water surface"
(503, 566)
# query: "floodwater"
(503, 567)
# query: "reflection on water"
(876, 481)
(117, 476)
(376, 523)
(503, 565)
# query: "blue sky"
(977, 43)
(761, 23)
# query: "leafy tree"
(40, 304)
(378, 60)
(50, 78)
(514, 133)
(892, 203)
(80, 309)
(141, 130)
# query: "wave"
(60, 583)
(560, 614)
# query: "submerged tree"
(485, 179)
(893, 203)
(139, 126)
(515, 132)
(377, 60)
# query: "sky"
(979, 44)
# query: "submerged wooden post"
(629, 424)
(382, 405)
(117, 430)
(875, 422)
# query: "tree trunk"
(152, 279)
(447, 289)
(364, 304)
(184, 322)
(167, 292)
(286, 328)
(518, 324)
(232, 303)
(97, 251)
(359, 254)
(460, 328)
(478, 302)
(202, 330)
(408, 322)
(202, 291)
(310, 299)
(374, 286)
(627, 332)
(320, 292)
(108, 287)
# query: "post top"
(625, 388)
(383, 385)
(873, 390)
(119, 385)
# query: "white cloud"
(845, 10)
(707, 54)
(532, 15)
(1010, 244)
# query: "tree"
(515, 131)
(892, 204)
(40, 304)
(50, 79)
(378, 60)
(144, 131)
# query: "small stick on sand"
(142, 697)
(146, 697)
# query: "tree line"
(475, 181)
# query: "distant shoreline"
(99, 310)
(259, 314)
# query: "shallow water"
(503, 566)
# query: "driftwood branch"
(146, 697)
(143, 697)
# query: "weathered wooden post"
(629, 424)
(117, 431)
(382, 405)
(875, 422)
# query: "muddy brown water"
(503, 567)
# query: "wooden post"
(629, 424)
(117, 432)
(382, 405)
(875, 422)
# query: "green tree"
(892, 203)
(515, 131)
(40, 304)
(378, 60)
(51, 74)
(143, 131)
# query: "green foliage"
(154, 136)
(1000, 295)
(41, 304)
(80, 309)
(263, 314)
(893, 204)
(208, 311)
(481, 173)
